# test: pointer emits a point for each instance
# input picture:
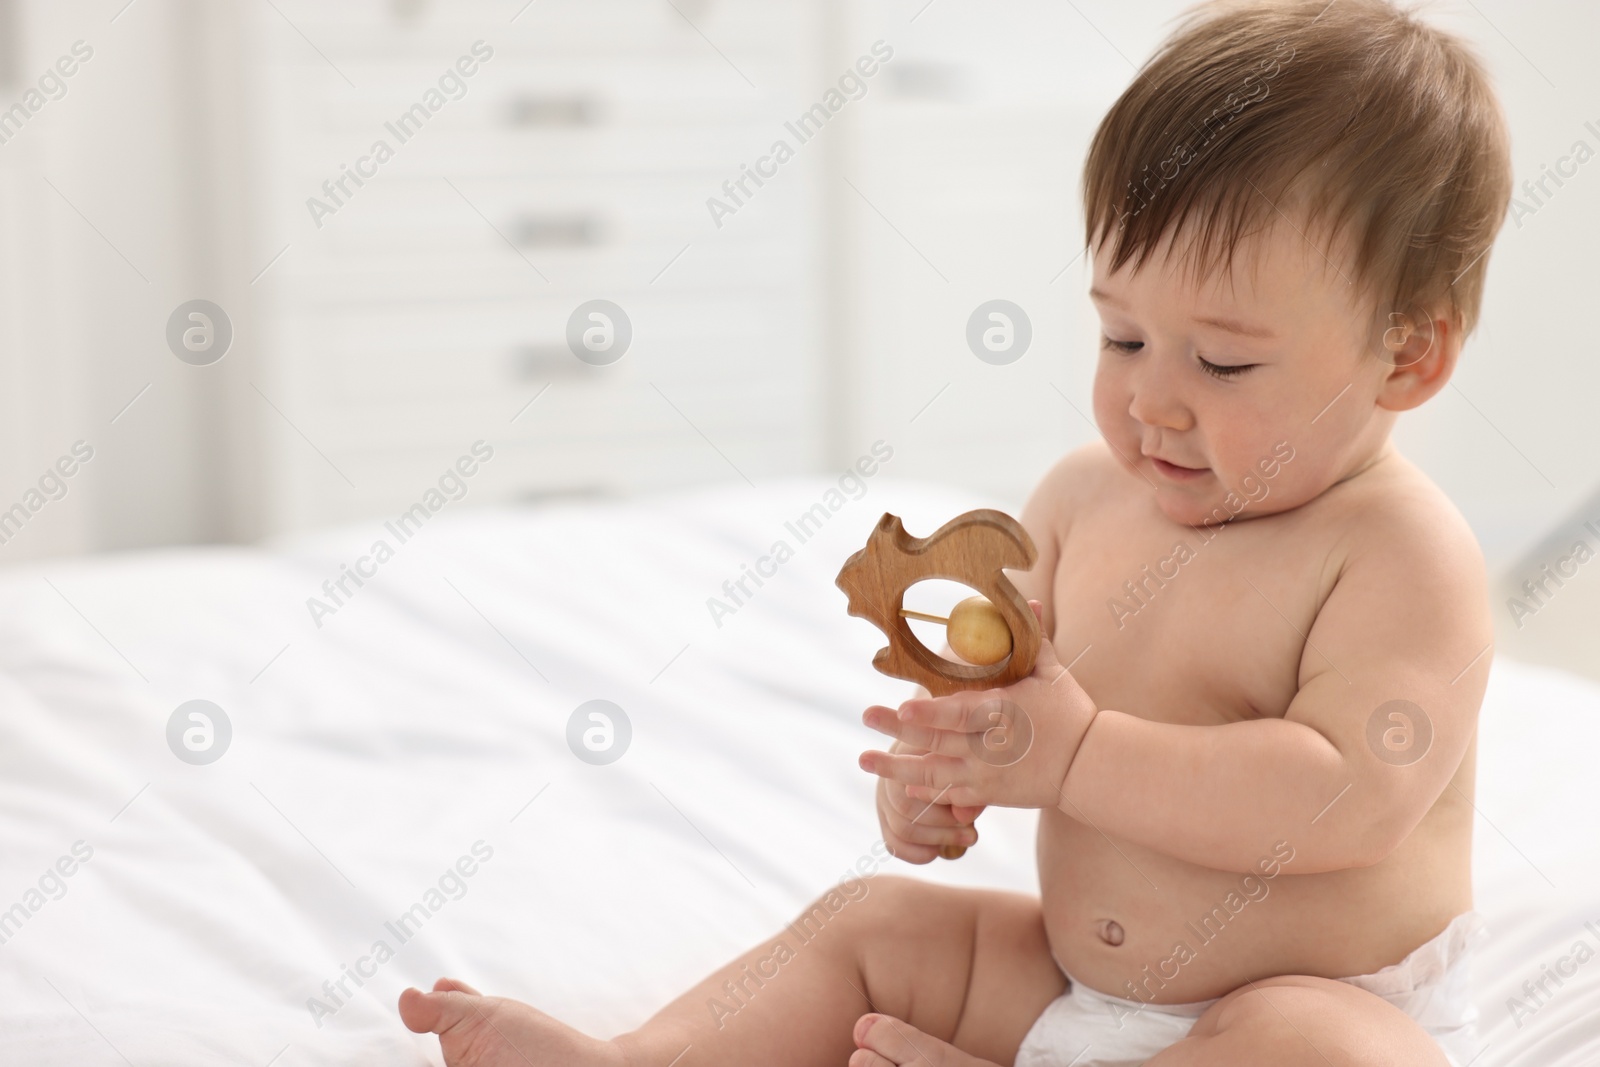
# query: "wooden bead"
(977, 632)
(975, 549)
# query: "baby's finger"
(931, 770)
(935, 838)
(952, 796)
(959, 713)
(886, 721)
(932, 813)
(923, 834)
(966, 813)
(911, 853)
(902, 803)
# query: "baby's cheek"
(1111, 412)
(1279, 485)
(1244, 456)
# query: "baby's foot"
(885, 1042)
(479, 1031)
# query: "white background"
(826, 314)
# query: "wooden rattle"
(976, 630)
(996, 633)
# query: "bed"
(407, 745)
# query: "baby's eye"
(1224, 371)
(1121, 346)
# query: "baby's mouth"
(1179, 473)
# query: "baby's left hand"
(1011, 747)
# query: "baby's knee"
(857, 910)
(855, 901)
(907, 906)
(1298, 1019)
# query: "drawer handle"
(536, 362)
(555, 231)
(539, 110)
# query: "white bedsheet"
(422, 718)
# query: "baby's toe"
(452, 985)
(894, 1043)
(434, 1013)
(898, 1042)
(865, 1057)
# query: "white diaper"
(1086, 1028)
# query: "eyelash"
(1219, 371)
(1216, 370)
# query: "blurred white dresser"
(431, 306)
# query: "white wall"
(112, 218)
(984, 182)
(955, 180)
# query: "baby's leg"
(1298, 1021)
(1293, 1021)
(969, 967)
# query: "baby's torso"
(1205, 628)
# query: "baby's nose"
(1155, 402)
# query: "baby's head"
(1289, 212)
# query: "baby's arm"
(914, 829)
(1047, 516)
(1403, 621)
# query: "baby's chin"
(1191, 511)
(1214, 506)
(1206, 505)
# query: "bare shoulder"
(1076, 479)
(1397, 526)
(1072, 482)
(1400, 509)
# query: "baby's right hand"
(914, 830)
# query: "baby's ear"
(1419, 349)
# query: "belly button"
(1111, 932)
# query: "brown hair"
(1381, 128)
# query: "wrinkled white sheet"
(427, 717)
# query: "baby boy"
(1250, 731)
